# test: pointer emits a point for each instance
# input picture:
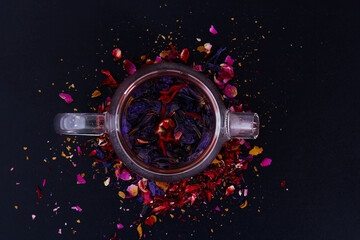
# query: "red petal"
(107, 73)
(110, 81)
(282, 183)
(142, 141)
(39, 192)
(93, 153)
(184, 55)
(194, 115)
(116, 53)
(159, 208)
(149, 221)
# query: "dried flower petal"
(230, 91)
(129, 67)
(107, 182)
(256, 151)
(116, 53)
(106, 72)
(208, 47)
(121, 194)
(230, 190)
(243, 205)
(184, 55)
(68, 99)
(39, 192)
(149, 221)
(77, 208)
(125, 175)
(95, 94)
(282, 184)
(133, 190)
(120, 226)
(163, 185)
(79, 150)
(201, 49)
(229, 61)
(80, 179)
(213, 30)
(266, 162)
(140, 231)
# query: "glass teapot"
(225, 123)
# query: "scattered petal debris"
(213, 30)
(67, 97)
(116, 53)
(80, 179)
(266, 162)
(77, 208)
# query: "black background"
(307, 75)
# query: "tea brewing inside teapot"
(167, 122)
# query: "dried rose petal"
(77, 208)
(125, 175)
(266, 162)
(230, 91)
(80, 179)
(194, 115)
(92, 153)
(213, 30)
(177, 135)
(198, 68)
(107, 182)
(39, 192)
(66, 97)
(282, 184)
(229, 61)
(230, 190)
(129, 67)
(79, 150)
(116, 53)
(133, 190)
(184, 55)
(193, 198)
(149, 221)
(142, 185)
(106, 72)
(208, 47)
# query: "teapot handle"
(242, 125)
(87, 124)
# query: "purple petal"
(266, 162)
(217, 208)
(66, 97)
(213, 30)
